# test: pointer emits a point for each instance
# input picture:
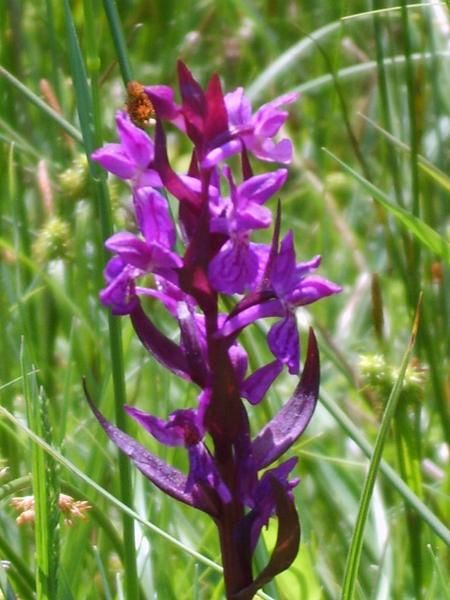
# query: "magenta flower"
(290, 285)
(132, 158)
(232, 475)
(253, 132)
(136, 256)
(239, 263)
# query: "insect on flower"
(139, 106)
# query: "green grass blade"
(45, 490)
(427, 167)
(118, 38)
(407, 494)
(41, 105)
(427, 236)
(91, 137)
(354, 555)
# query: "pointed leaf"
(287, 544)
(290, 422)
(169, 480)
(170, 179)
(217, 117)
(193, 103)
(161, 347)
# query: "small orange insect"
(139, 106)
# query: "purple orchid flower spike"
(196, 268)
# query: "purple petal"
(153, 217)
(131, 249)
(202, 470)
(311, 289)
(238, 107)
(282, 100)
(113, 159)
(156, 427)
(136, 143)
(163, 259)
(162, 98)
(147, 178)
(290, 422)
(261, 187)
(283, 274)
(268, 121)
(169, 480)
(252, 217)
(270, 308)
(255, 387)
(234, 268)
(120, 292)
(221, 153)
(266, 149)
(284, 343)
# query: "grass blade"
(91, 136)
(354, 555)
(427, 236)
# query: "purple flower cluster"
(217, 215)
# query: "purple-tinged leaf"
(286, 546)
(192, 345)
(193, 277)
(254, 388)
(247, 170)
(217, 117)
(169, 480)
(161, 347)
(290, 422)
(284, 343)
(170, 179)
(265, 281)
(193, 104)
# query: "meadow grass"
(368, 190)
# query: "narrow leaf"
(287, 544)
(169, 480)
(423, 232)
(290, 422)
(160, 347)
(354, 555)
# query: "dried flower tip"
(3, 471)
(24, 504)
(45, 186)
(72, 509)
(139, 105)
